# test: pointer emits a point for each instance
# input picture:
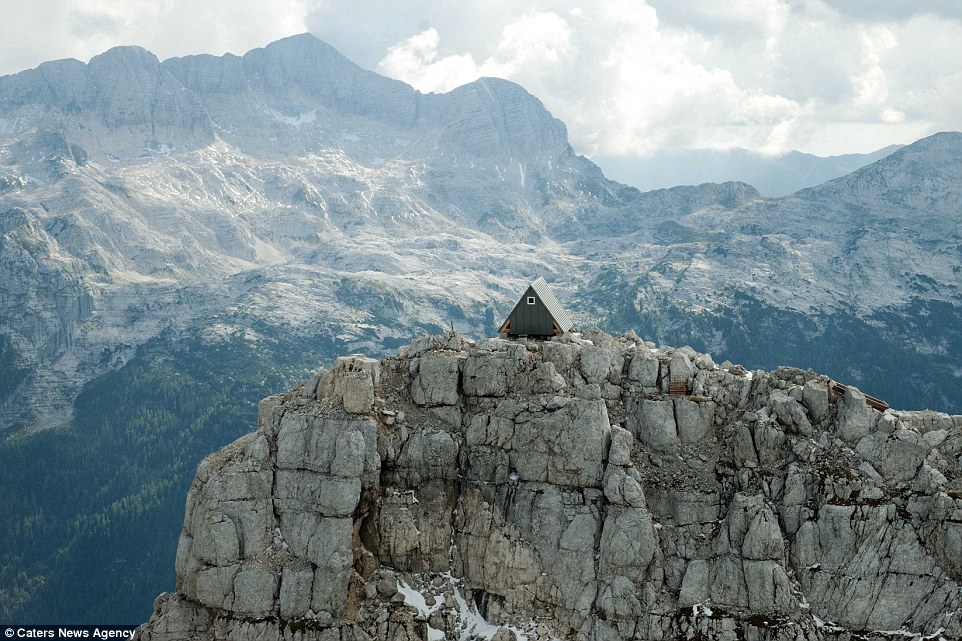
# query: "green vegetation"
(10, 375)
(92, 513)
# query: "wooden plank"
(678, 388)
(877, 403)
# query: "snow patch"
(416, 600)
(9, 127)
(158, 150)
(828, 626)
(471, 625)
(304, 118)
(476, 625)
(917, 636)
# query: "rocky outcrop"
(542, 490)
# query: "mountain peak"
(935, 159)
(494, 115)
(129, 54)
(303, 47)
(305, 39)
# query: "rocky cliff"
(540, 490)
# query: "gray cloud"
(34, 31)
(895, 10)
(87, 24)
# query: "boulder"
(653, 423)
(815, 396)
(855, 417)
(694, 419)
(643, 368)
(437, 380)
(790, 414)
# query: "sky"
(628, 77)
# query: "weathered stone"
(643, 368)
(352, 380)
(769, 442)
(896, 456)
(595, 363)
(622, 487)
(855, 417)
(743, 451)
(327, 495)
(254, 590)
(926, 421)
(694, 420)
(763, 540)
(504, 634)
(295, 596)
(437, 380)
(429, 455)
(695, 586)
(653, 423)
(790, 413)
(620, 451)
(217, 542)
(815, 396)
(485, 375)
(565, 447)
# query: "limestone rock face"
(551, 489)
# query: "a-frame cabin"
(538, 313)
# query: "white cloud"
(416, 61)
(533, 44)
(622, 82)
(890, 115)
(871, 85)
(769, 75)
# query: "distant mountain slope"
(778, 175)
(867, 264)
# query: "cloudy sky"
(628, 77)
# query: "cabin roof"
(551, 302)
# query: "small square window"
(531, 300)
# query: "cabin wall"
(531, 320)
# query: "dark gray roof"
(554, 307)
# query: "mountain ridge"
(775, 176)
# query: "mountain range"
(773, 175)
(182, 235)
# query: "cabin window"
(531, 300)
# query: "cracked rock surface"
(509, 490)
